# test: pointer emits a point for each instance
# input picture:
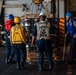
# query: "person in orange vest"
(9, 50)
(18, 40)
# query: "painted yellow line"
(69, 70)
(69, 73)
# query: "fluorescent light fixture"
(47, 1)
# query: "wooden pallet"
(32, 56)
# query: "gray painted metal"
(1, 1)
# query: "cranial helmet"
(42, 14)
(10, 16)
(68, 14)
(17, 20)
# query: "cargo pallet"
(32, 56)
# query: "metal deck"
(10, 69)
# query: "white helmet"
(42, 13)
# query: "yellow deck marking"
(69, 70)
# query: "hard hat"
(42, 14)
(17, 20)
(10, 16)
(68, 14)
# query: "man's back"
(18, 34)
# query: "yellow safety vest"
(18, 34)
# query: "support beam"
(13, 5)
(1, 2)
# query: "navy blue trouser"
(9, 48)
(44, 46)
(73, 48)
(20, 52)
(72, 42)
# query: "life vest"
(18, 34)
(43, 30)
(71, 28)
(8, 25)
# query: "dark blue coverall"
(20, 51)
(9, 48)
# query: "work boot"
(50, 66)
(17, 65)
(40, 68)
(11, 60)
(23, 65)
(6, 60)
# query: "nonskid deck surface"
(60, 68)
